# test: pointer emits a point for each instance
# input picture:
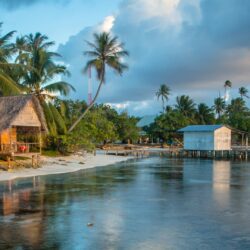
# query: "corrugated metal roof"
(201, 128)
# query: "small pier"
(236, 153)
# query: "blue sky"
(193, 46)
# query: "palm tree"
(204, 114)
(237, 105)
(7, 84)
(163, 93)
(227, 85)
(106, 51)
(219, 106)
(243, 92)
(185, 105)
(39, 74)
(40, 68)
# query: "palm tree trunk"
(90, 105)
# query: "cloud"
(191, 45)
(16, 4)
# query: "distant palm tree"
(227, 85)
(219, 106)
(106, 52)
(243, 92)
(237, 105)
(185, 105)
(163, 93)
(204, 114)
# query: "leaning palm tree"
(243, 92)
(219, 106)
(163, 93)
(106, 52)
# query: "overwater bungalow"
(204, 140)
(207, 137)
(22, 123)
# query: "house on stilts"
(22, 124)
(204, 140)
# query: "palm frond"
(63, 88)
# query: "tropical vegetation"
(29, 66)
(186, 112)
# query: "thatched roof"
(11, 106)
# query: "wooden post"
(246, 146)
(9, 163)
(10, 139)
(37, 160)
(33, 161)
(40, 140)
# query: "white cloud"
(191, 45)
(107, 24)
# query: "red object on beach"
(23, 148)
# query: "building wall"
(198, 140)
(222, 139)
(8, 136)
(27, 117)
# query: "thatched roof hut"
(21, 110)
(21, 119)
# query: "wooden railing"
(20, 147)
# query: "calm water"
(153, 203)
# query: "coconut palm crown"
(7, 85)
(163, 93)
(41, 69)
(243, 92)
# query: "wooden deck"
(237, 152)
(21, 149)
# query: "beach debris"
(81, 162)
(90, 224)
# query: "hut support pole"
(33, 161)
(10, 139)
(40, 141)
(246, 147)
(9, 163)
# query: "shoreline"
(62, 165)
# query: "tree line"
(185, 111)
(29, 66)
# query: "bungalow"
(207, 137)
(21, 124)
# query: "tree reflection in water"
(153, 203)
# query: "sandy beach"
(67, 164)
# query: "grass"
(51, 153)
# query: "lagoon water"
(153, 203)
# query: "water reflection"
(221, 182)
(153, 203)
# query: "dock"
(236, 153)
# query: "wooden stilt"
(33, 161)
(9, 162)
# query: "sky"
(193, 46)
